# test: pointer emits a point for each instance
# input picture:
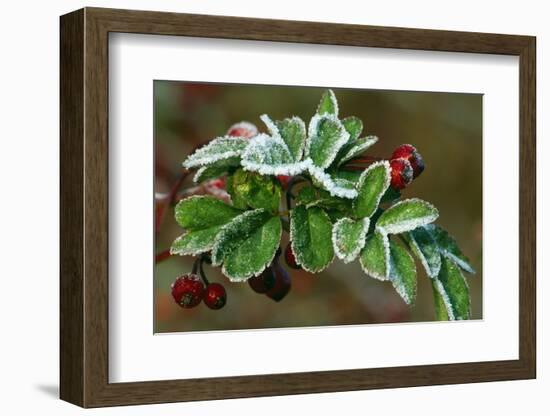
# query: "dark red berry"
(282, 283)
(188, 290)
(263, 282)
(401, 173)
(290, 258)
(409, 152)
(215, 296)
(243, 129)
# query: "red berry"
(409, 152)
(215, 296)
(401, 173)
(188, 290)
(243, 129)
(263, 282)
(284, 179)
(282, 283)
(291, 258)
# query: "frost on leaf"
(348, 238)
(293, 132)
(326, 135)
(202, 217)
(339, 187)
(354, 148)
(247, 244)
(252, 190)
(403, 273)
(328, 104)
(449, 248)
(406, 215)
(425, 248)
(354, 126)
(195, 242)
(375, 256)
(216, 169)
(310, 234)
(453, 290)
(371, 186)
(269, 155)
(220, 148)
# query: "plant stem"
(163, 255)
(170, 199)
(202, 259)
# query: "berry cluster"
(406, 164)
(189, 289)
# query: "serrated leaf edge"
(387, 180)
(312, 132)
(406, 225)
(195, 158)
(244, 279)
(377, 276)
(292, 239)
(348, 258)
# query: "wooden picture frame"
(84, 207)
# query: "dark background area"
(445, 127)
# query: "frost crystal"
(328, 104)
(326, 135)
(446, 300)
(406, 215)
(355, 148)
(271, 126)
(348, 238)
(336, 187)
(218, 149)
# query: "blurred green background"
(445, 127)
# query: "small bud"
(243, 129)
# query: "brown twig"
(170, 199)
(163, 255)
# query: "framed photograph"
(255, 207)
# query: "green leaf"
(247, 244)
(269, 155)
(201, 212)
(216, 169)
(310, 234)
(337, 187)
(293, 132)
(453, 289)
(439, 304)
(348, 238)
(354, 126)
(406, 215)
(328, 104)
(326, 135)
(425, 248)
(221, 148)
(349, 175)
(195, 242)
(375, 256)
(306, 195)
(449, 248)
(250, 189)
(354, 148)
(202, 217)
(371, 187)
(403, 273)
